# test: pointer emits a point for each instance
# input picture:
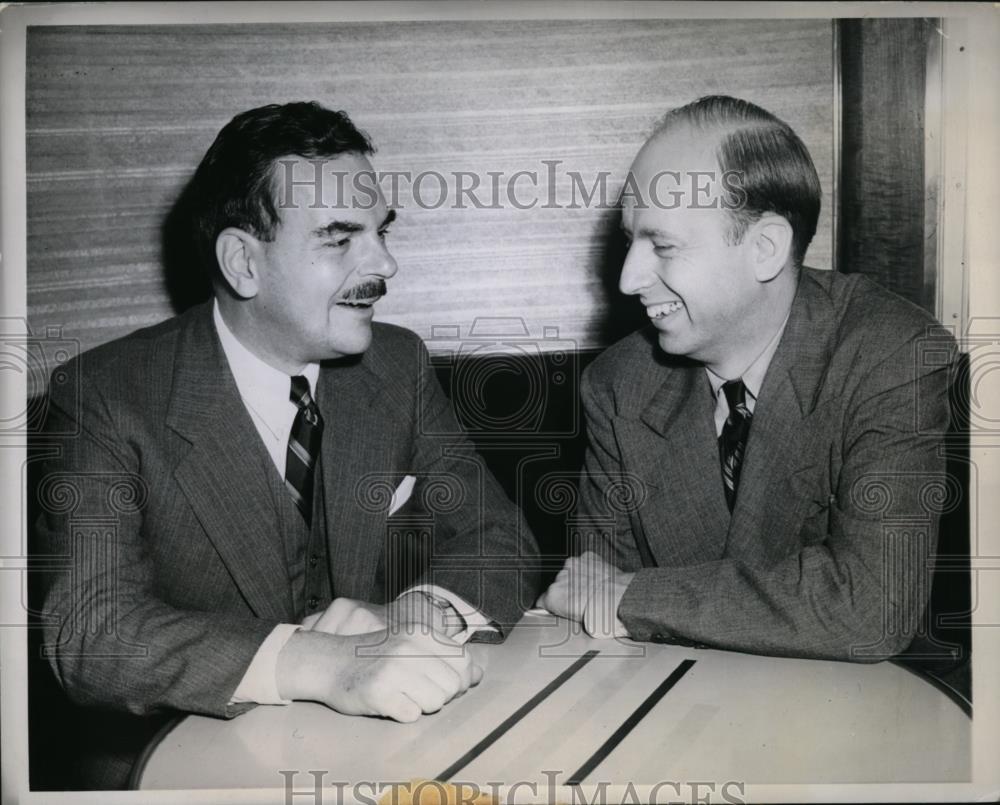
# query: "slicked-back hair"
(769, 161)
(234, 183)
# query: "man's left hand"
(581, 579)
(411, 612)
(348, 616)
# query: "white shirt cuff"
(475, 621)
(260, 682)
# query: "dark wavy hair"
(772, 164)
(234, 183)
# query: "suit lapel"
(223, 474)
(778, 443)
(357, 437)
(685, 516)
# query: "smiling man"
(236, 454)
(769, 425)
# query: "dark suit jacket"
(826, 552)
(163, 506)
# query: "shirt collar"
(262, 386)
(753, 375)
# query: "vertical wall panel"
(882, 192)
(118, 117)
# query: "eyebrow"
(335, 227)
(350, 227)
(650, 232)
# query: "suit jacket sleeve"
(849, 592)
(603, 482)
(483, 549)
(109, 637)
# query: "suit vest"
(305, 549)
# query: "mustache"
(367, 290)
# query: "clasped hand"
(409, 613)
(587, 582)
(396, 660)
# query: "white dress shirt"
(265, 393)
(752, 377)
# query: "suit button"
(313, 602)
(313, 560)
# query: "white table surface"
(729, 717)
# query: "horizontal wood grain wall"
(118, 117)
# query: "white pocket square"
(402, 494)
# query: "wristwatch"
(435, 600)
(451, 620)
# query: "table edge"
(956, 696)
(139, 767)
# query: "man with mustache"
(244, 452)
(750, 448)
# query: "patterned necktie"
(303, 447)
(733, 440)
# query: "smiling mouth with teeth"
(359, 302)
(663, 310)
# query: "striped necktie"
(303, 447)
(733, 440)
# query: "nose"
(636, 271)
(381, 263)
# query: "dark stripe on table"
(630, 723)
(519, 714)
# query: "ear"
(770, 240)
(239, 256)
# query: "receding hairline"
(719, 131)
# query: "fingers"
(551, 600)
(402, 678)
(411, 686)
(468, 672)
(335, 615)
(347, 616)
(459, 659)
(427, 694)
(568, 595)
(587, 563)
(361, 621)
(444, 659)
(449, 678)
(399, 707)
